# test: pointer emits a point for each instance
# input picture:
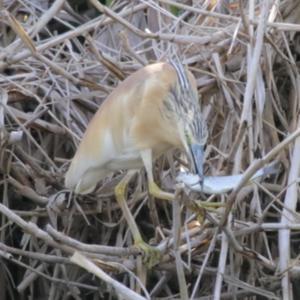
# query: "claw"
(151, 256)
(201, 207)
(158, 193)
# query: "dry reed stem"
(59, 62)
(126, 293)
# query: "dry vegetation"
(59, 61)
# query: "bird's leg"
(210, 206)
(154, 190)
(201, 208)
(152, 255)
(120, 191)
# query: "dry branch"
(58, 63)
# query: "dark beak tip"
(201, 181)
(197, 152)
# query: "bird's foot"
(210, 206)
(151, 256)
(155, 191)
(201, 207)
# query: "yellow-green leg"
(154, 190)
(200, 208)
(152, 255)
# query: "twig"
(176, 38)
(28, 192)
(200, 273)
(54, 259)
(290, 202)
(89, 266)
(6, 59)
(176, 234)
(254, 167)
(221, 267)
(115, 251)
(58, 281)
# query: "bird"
(153, 110)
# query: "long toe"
(151, 256)
(158, 193)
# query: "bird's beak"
(198, 157)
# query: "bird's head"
(193, 136)
(190, 121)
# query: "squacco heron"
(153, 110)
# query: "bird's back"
(128, 121)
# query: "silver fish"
(222, 184)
